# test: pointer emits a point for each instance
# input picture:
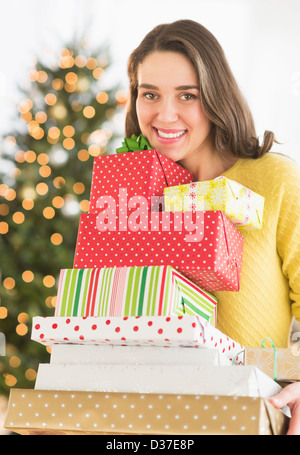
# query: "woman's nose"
(167, 112)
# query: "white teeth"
(171, 135)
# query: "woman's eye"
(188, 96)
(149, 96)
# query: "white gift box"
(235, 380)
(134, 355)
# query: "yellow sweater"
(270, 280)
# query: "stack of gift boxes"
(134, 343)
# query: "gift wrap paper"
(131, 291)
(236, 380)
(280, 363)
(211, 259)
(242, 206)
(135, 355)
(34, 412)
(170, 331)
(144, 173)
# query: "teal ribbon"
(134, 144)
(275, 355)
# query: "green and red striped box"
(131, 291)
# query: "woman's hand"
(290, 395)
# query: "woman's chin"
(171, 154)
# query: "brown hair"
(221, 98)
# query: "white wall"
(261, 39)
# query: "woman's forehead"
(166, 69)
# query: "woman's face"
(169, 109)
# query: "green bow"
(134, 144)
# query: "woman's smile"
(169, 136)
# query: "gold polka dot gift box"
(35, 412)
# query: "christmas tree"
(65, 119)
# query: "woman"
(186, 102)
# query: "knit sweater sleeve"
(288, 228)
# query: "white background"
(261, 39)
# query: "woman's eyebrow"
(181, 87)
(148, 86)
(188, 87)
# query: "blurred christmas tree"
(65, 118)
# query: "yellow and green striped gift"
(242, 206)
(131, 291)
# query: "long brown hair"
(221, 98)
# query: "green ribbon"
(275, 355)
(134, 144)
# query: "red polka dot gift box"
(143, 174)
(166, 331)
(205, 247)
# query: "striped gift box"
(131, 291)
